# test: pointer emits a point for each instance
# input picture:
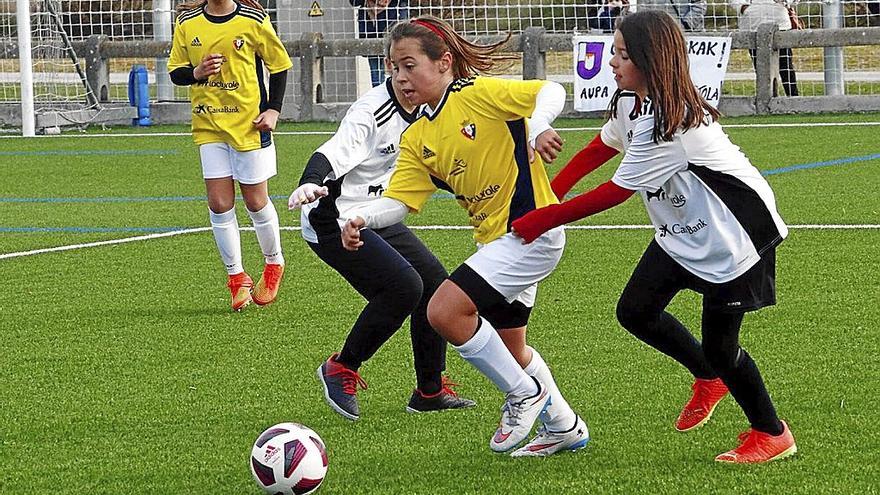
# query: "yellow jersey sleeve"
(504, 99)
(271, 50)
(179, 56)
(411, 182)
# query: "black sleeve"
(316, 170)
(183, 76)
(277, 85)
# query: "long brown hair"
(437, 37)
(656, 45)
(193, 4)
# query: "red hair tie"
(429, 26)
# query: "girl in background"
(221, 49)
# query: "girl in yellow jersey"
(473, 140)
(222, 49)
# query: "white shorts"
(513, 268)
(247, 167)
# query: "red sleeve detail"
(585, 161)
(534, 223)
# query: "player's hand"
(306, 193)
(548, 144)
(266, 121)
(351, 233)
(533, 224)
(209, 66)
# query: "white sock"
(225, 227)
(559, 415)
(487, 352)
(268, 233)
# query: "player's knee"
(630, 316)
(400, 294)
(437, 317)
(255, 204)
(408, 289)
(722, 359)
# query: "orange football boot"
(698, 410)
(267, 288)
(240, 285)
(757, 446)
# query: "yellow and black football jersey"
(475, 145)
(224, 106)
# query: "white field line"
(416, 227)
(328, 133)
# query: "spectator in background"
(608, 14)
(374, 18)
(689, 13)
(753, 13)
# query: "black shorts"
(659, 274)
(490, 303)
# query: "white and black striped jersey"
(363, 153)
(712, 210)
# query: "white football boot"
(550, 442)
(517, 417)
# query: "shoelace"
(702, 394)
(237, 283)
(272, 277)
(513, 411)
(446, 386)
(350, 380)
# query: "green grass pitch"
(123, 370)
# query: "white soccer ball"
(289, 458)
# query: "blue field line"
(88, 230)
(805, 166)
(440, 195)
(88, 152)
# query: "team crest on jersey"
(427, 153)
(238, 43)
(469, 130)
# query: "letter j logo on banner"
(593, 79)
(589, 59)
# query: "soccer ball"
(289, 458)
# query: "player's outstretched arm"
(582, 163)
(534, 223)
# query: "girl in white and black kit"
(715, 219)
(395, 272)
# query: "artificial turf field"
(123, 370)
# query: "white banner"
(594, 82)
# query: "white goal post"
(53, 86)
